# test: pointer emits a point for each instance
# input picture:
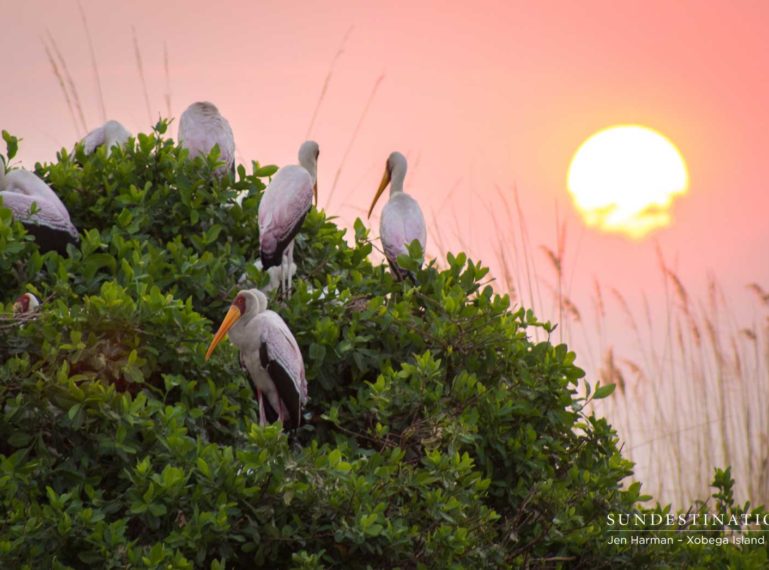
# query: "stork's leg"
(285, 270)
(262, 415)
(282, 412)
(289, 263)
(281, 281)
(283, 274)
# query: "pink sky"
(477, 95)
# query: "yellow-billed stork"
(110, 134)
(284, 205)
(36, 205)
(201, 127)
(402, 221)
(26, 304)
(269, 354)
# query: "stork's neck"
(396, 181)
(110, 138)
(312, 167)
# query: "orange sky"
(478, 95)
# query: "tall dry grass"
(66, 83)
(692, 381)
(140, 67)
(94, 66)
(699, 396)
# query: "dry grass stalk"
(94, 66)
(327, 81)
(610, 372)
(761, 295)
(140, 67)
(69, 81)
(60, 80)
(533, 283)
(681, 293)
(167, 70)
(749, 334)
(571, 310)
(354, 136)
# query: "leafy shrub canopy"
(437, 435)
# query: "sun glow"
(624, 179)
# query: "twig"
(168, 79)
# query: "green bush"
(438, 433)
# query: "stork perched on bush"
(284, 205)
(37, 206)
(109, 135)
(201, 127)
(402, 221)
(270, 356)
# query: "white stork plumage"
(109, 135)
(269, 354)
(50, 223)
(201, 127)
(25, 305)
(402, 221)
(284, 205)
(275, 275)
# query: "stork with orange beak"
(284, 205)
(270, 356)
(402, 221)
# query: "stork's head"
(308, 159)
(25, 304)
(395, 171)
(112, 129)
(204, 108)
(114, 133)
(247, 303)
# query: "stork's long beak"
(382, 185)
(315, 192)
(232, 315)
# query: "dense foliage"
(438, 433)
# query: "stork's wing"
(272, 256)
(402, 222)
(48, 215)
(272, 415)
(280, 356)
(282, 210)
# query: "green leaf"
(265, 171)
(11, 145)
(604, 391)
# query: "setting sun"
(624, 178)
